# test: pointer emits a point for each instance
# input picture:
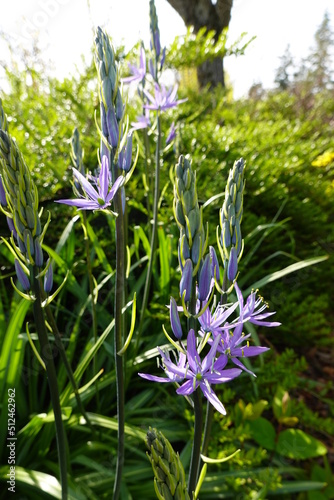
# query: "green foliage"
(193, 49)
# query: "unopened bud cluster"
(157, 63)
(187, 214)
(230, 220)
(169, 476)
(111, 105)
(19, 202)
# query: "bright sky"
(65, 29)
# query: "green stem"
(91, 290)
(47, 356)
(154, 229)
(118, 338)
(62, 352)
(198, 407)
(148, 178)
(196, 450)
(209, 407)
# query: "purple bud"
(163, 57)
(48, 279)
(232, 267)
(214, 263)
(204, 279)
(38, 253)
(172, 134)
(195, 250)
(186, 280)
(175, 319)
(112, 127)
(22, 277)
(3, 199)
(11, 226)
(125, 156)
(151, 68)
(226, 235)
(104, 125)
(157, 45)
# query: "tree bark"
(203, 13)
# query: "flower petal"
(153, 378)
(211, 396)
(85, 184)
(192, 355)
(187, 388)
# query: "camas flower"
(234, 343)
(138, 73)
(197, 373)
(143, 121)
(163, 99)
(95, 198)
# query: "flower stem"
(196, 450)
(209, 407)
(154, 229)
(67, 365)
(91, 289)
(198, 407)
(118, 338)
(47, 356)
(148, 177)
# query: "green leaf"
(283, 272)
(282, 405)
(296, 444)
(263, 432)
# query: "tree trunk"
(203, 13)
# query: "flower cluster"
(217, 329)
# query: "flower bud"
(22, 277)
(3, 199)
(48, 279)
(112, 126)
(214, 263)
(38, 253)
(175, 319)
(232, 267)
(186, 280)
(204, 279)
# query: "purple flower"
(163, 99)
(196, 372)
(96, 198)
(214, 321)
(171, 134)
(143, 121)
(233, 342)
(138, 74)
(253, 309)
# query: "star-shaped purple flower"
(163, 99)
(96, 198)
(138, 73)
(197, 373)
